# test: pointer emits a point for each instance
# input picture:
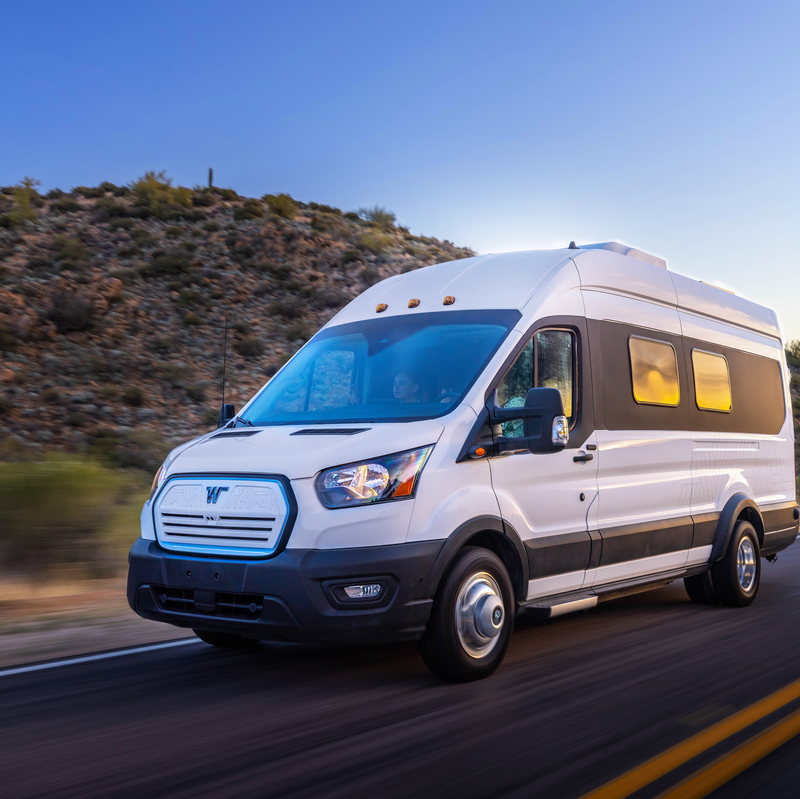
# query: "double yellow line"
(724, 768)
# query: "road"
(579, 701)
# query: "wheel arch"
(739, 506)
(492, 533)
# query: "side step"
(544, 610)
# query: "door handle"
(587, 456)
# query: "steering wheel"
(448, 395)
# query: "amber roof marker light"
(381, 307)
(413, 303)
(448, 300)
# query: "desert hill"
(113, 301)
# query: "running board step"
(550, 611)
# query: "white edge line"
(103, 656)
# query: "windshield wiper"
(241, 419)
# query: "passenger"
(405, 388)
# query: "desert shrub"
(328, 297)
(107, 208)
(66, 511)
(70, 311)
(6, 221)
(121, 191)
(165, 343)
(121, 224)
(228, 195)
(298, 330)
(352, 216)
(54, 194)
(250, 210)
(89, 193)
(378, 216)
(69, 248)
(196, 392)
(167, 263)
(250, 347)
(348, 256)
(793, 352)
(212, 226)
(325, 209)
(154, 194)
(51, 394)
(203, 198)
(370, 275)
(27, 200)
(142, 237)
(8, 341)
(37, 262)
(191, 319)
(64, 205)
(281, 204)
(375, 242)
(133, 396)
(173, 374)
(271, 369)
(290, 308)
(173, 231)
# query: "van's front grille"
(244, 516)
(208, 603)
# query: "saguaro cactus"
(210, 177)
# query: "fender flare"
(461, 536)
(733, 509)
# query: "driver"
(405, 388)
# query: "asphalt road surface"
(579, 701)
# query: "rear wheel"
(737, 576)
(472, 618)
(701, 589)
(226, 640)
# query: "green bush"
(69, 248)
(325, 209)
(154, 195)
(191, 319)
(250, 347)
(64, 205)
(281, 204)
(89, 193)
(66, 511)
(39, 262)
(378, 216)
(196, 392)
(250, 210)
(298, 330)
(8, 341)
(107, 208)
(375, 242)
(133, 396)
(793, 352)
(121, 224)
(168, 263)
(203, 198)
(212, 226)
(228, 195)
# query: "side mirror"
(545, 427)
(226, 413)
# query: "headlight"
(158, 480)
(378, 480)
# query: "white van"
(531, 431)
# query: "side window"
(654, 372)
(548, 360)
(712, 383)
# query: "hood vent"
(331, 431)
(234, 434)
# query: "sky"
(673, 127)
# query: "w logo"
(212, 494)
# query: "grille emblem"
(212, 494)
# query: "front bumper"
(295, 601)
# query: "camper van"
(529, 432)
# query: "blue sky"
(670, 126)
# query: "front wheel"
(472, 618)
(737, 576)
(226, 640)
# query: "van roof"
(510, 280)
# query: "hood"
(299, 451)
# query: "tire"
(737, 576)
(701, 589)
(472, 618)
(226, 640)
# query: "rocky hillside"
(113, 303)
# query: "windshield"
(395, 369)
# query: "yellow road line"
(725, 768)
(681, 753)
